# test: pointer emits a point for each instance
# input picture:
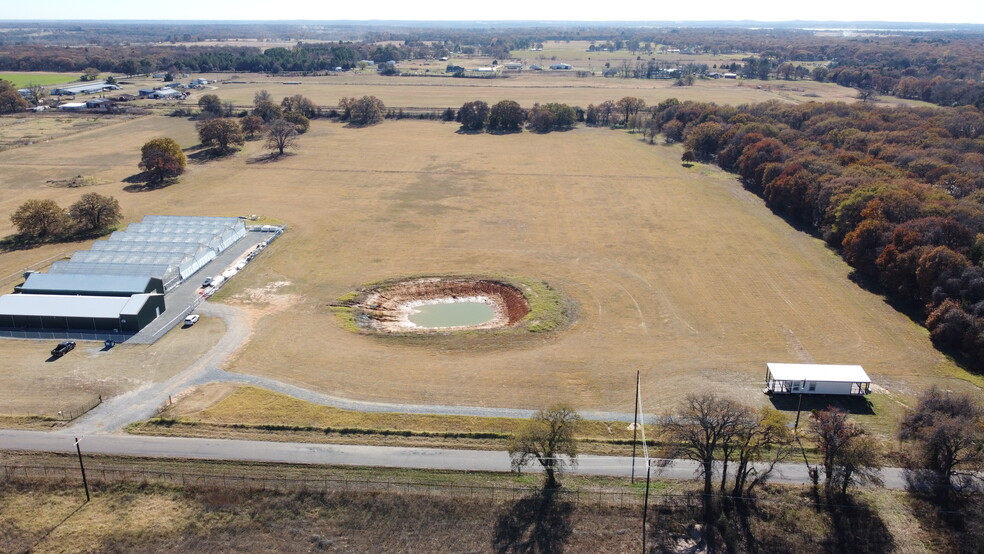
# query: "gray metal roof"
(136, 303)
(97, 307)
(86, 282)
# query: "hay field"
(679, 273)
(527, 88)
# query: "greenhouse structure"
(119, 283)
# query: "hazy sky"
(939, 11)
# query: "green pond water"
(454, 314)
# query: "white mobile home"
(816, 379)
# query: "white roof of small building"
(818, 372)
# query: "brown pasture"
(679, 273)
(526, 87)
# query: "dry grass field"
(677, 272)
(526, 88)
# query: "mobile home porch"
(816, 379)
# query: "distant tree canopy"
(251, 124)
(299, 104)
(221, 133)
(473, 116)
(40, 219)
(301, 123)
(10, 100)
(367, 110)
(265, 108)
(506, 116)
(210, 104)
(161, 159)
(95, 212)
(899, 190)
(942, 67)
(551, 116)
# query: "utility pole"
(799, 406)
(645, 507)
(82, 467)
(635, 425)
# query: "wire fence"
(107, 476)
(66, 414)
(19, 275)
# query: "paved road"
(357, 455)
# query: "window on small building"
(813, 386)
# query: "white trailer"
(816, 379)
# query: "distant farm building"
(164, 93)
(119, 284)
(816, 379)
(561, 66)
(72, 107)
(513, 65)
(94, 87)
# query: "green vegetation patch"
(256, 408)
(22, 80)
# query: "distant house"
(816, 379)
(714, 75)
(535, 67)
(730, 75)
(484, 70)
(561, 66)
(513, 65)
(73, 107)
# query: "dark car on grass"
(63, 348)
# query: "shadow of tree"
(538, 523)
(145, 185)
(268, 158)
(209, 154)
(856, 527)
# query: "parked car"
(207, 282)
(63, 348)
(191, 320)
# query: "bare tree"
(281, 135)
(946, 431)
(36, 93)
(547, 436)
(849, 455)
(697, 432)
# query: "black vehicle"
(63, 348)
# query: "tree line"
(898, 191)
(44, 220)
(737, 450)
